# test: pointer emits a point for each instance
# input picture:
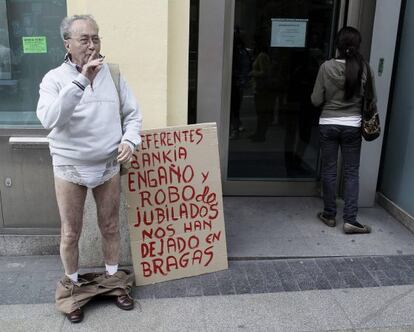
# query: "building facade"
(192, 61)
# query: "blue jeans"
(349, 139)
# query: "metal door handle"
(380, 66)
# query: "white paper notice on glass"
(288, 32)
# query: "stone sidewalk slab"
(381, 309)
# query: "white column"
(387, 14)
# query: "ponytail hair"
(348, 41)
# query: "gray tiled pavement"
(285, 227)
(290, 274)
(32, 279)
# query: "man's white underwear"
(89, 176)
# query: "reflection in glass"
(278, 47)
(19, 84)
(5, 55)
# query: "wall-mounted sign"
(34, 44)
(288, 32)
(175, 207)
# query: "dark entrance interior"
(277, 50)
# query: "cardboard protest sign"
(175, 207)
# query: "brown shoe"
(124, 302)
(353, 229)
(76, 316)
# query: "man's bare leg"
(107, 205)
(71, 201)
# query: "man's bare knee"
(70, 239)
(109, 229)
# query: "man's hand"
(124, 153)
(92, 67)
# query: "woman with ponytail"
(339, 90)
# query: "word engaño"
(153, 178)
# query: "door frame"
(215, 43)
(383, 46)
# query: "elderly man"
(80, 103)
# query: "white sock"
(73, 276)
(111, 269)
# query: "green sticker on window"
(34, 44)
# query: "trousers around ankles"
(349, 140)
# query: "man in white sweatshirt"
(80, 103)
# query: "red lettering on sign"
(197, 256)
(134, 162)
(176, 245)
(214, 237)
(159, 232)
(184, 260)
(158, 263)
(130, 183)
(166, 213)
(163, 266)
(173, 195)
(215, 210)
(199, 133)
(188, 193)
(166, 139)
(208, 252)
(146, 269)
(193, 242)
(160, 197)
(205, 176)
(206, 196)
(177, 137)
(147, 249)
(171, 263)
(144, 198)
(161, 176)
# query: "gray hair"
(68, 21)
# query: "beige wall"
(178, 39)
(149, 40)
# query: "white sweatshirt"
(85, 119)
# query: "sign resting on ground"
(175, 206)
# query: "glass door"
(30, 46)
(278, 46)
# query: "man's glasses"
(96, 40)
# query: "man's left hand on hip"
(124, 153)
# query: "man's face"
(83, 41)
